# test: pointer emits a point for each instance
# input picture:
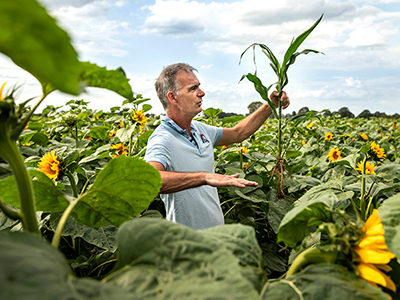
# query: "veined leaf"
(295, 225)
(123, 189)
(33, 40)
(100, 77)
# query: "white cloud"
(91, 31)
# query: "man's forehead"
(185, 78)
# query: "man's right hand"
(218, 180)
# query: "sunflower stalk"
(60, 226)
(362, 197)
(9, 151)
(73, 184)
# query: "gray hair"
(166, 82)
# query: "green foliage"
(113, 80)
(167, 260)
(32, 39)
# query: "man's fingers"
(235, 175)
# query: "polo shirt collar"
(169, 122)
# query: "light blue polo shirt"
(198, 207)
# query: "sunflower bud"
(70, 120)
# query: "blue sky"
(361, 41)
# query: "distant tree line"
(344, 112)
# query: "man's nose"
(200, 93)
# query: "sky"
(360, 68)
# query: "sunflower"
(394, 125)
(369, 168)
(139, 117)
(224, 147)
(334, 154)
(364, 136)
(373, 254)
(303, 142)
(328, 136)
(112, 134)
(120, 149)
(245, 150)
(245, 166)
(377, 151)
(310, 125)
(50, 165)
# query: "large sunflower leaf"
(389, 212)
(31, 268)
(33, 40)
(165, 260)
(123, 189)
(100, 77)
(295, 225)
(322, 281)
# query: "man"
(182, 149)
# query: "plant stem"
(362, 198)
(73, 184)
(57, 235)
(9, 151)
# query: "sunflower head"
(310, 125)
(328, 136)
(334, 154)
(364, 136)
(369, 168)
(120, 149)
(373, 255)
(112, 134)
(50, 165)
(303, 142)
(245, 150)
(394, 125)
(1, 91)
(139, 117)
(70, 119)
(376, 151)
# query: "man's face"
(189, 97)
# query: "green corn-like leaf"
(262, 90)
(298, 41)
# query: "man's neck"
(182, 121)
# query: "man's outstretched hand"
(218, 180)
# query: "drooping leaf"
(33, 40)
(113, 80)
(157, 258)
(99, 132)
(322, 281)
(123, 189)
(104, 237)
(295, 225)
(31, 268)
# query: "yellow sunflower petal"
(371, 273)
(374, 256)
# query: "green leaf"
(32, 39)
(124, 134)
(40, 139)
(100, 77)
(389, 212)
(161, 259)
(123, 189)
(322, 281)
(212, 112)
(294, 45)
(295, 225)
(242, 242)
(32, 269)
(99, 132)
(262, 91)
(104, 237)
(232, 119)
(293, 154)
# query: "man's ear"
(171, 98)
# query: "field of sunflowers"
(80, 216)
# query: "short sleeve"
(213, 132)
(159, 151)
